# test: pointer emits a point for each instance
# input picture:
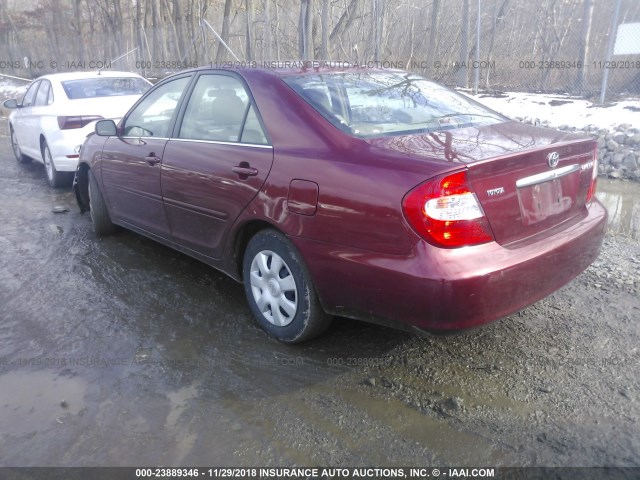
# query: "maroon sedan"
(370, 194)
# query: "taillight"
(67, 123)
(445, 211)
(594, 176)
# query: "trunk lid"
(107, 107)
(527, 179)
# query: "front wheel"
(102, 223)
(55, 178)
(280, 291)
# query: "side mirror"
(12, 103)
(106, 128)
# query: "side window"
(318, 95)
(30, 96)
(152, 117)
(252, 132)
(325, 99)
(50, 96)
(217, 111)
(42, 97)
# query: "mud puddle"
(622, 200)
(33, 401)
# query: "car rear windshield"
(104, 87)
(370, 104)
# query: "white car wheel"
(56, 179)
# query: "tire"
(16, 148)
(55, 178)
(102, 223)
(284, 302)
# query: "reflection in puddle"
(36, 401)
(179, 402)
(622, 200)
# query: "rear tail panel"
(527, 193)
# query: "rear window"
(369, 104)
(104, 87)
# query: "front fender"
(81, 187)
(90, 153)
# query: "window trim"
(220, 142)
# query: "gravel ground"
(175, 372)
(556, 385)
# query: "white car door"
(25, 124)
(39, 120)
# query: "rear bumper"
(63, 144)
(438, 289)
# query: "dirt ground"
(119, 351)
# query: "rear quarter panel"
(360, 185)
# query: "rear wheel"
(54, 178)
(102, 223)
(280, 291)
(16, 148)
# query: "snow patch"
(559, 110)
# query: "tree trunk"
(302, 38)
(498, 18)
(178, 22)
(13, 46)
(267, 53)
(77, 13)
(432, 49)
(226, 21)
(325, 30)
(345, 20)
(587, 18)
(138, 32)
(249, 30)
(310, 53)
(377, 29)
(462, 75)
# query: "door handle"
(245, 171)
(152, 160)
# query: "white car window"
(29, 97)
(104, 87)
(42, 97)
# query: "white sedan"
(58, 111)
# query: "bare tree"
(513, 31)
(226, 21)
(268, 47)
(309, 47)
(249, 31)
(463, 77)
(324, 52)
(432, 49)
(305, 30)
(587, 20)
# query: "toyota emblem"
(553, 158)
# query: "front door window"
(154, 115)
